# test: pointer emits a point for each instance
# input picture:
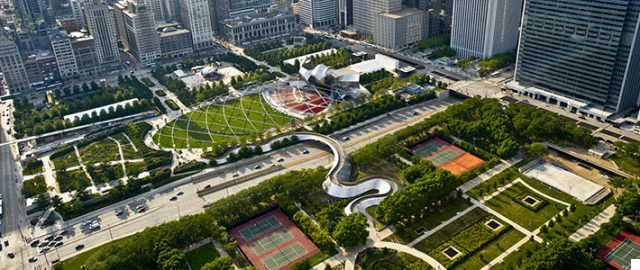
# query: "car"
(63, 232)
(11, 255)
(79, 247)
(525, 100)
(132, 72)
(281, 160)
(52, 243)
(173, 198)
(179, 193)
(94, 226)
(6, 242)
(128, 63)
(86, 223)
(141, 209)
(257, 167)
(43, 243)
(207, 186)
(414, 113)
(33, 259)
(58, 244)
(305, 151)
(44, 250)
(235, 174)
(346, 139)
(119, 212)
(49, 237)
(58, 238)
(35, 243)
(55, 261)
(272, 165)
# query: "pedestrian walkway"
(437, 228)
(48, 173)
(124, 169)
(593, 225)
(506, 253)
(504, 164)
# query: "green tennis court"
(624, 252)
(284, 256)
(260, 227)
(427, 150)
(444, 157)
(271, 241)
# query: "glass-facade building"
(584, 50)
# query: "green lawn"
(66, 161)
(198, 257)
(444, 234)
(246, 116)
(491, 250)
(575, 220)
(504, 204)
(389, 260)
(514, 259)
(626, 163)
(432, 219)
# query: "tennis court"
(428, 149)
(259, 228)
(271, 241)
(284, 256)
(444, 157)
(624, 252)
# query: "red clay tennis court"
(444, 155)
(619, 252)
(273, 242)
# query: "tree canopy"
(351, 231)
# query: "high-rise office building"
(482, 28)
(345, 14)
(318, 13)
(218, 10)
(580, 54)
(76, 11)
(61, 44)
(138, 30)
(11, 65)
(157, 9)
(433, 7)
(401, 29)
(195, 16)
(102, 28)
(365, 11)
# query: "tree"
(221, 263)
(301, 265)
(351, 231)
(628, 204)
(561, 254)
(538, 150)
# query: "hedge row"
(536, 207)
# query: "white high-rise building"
(318, 13)
(365, 12)
(138, 30)
(11, 65)
(482, 28)
(78, 15)
(61, 44)
(195, 16)
(156, 6)
(102, 28)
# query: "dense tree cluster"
(319, 236)
(220, 263)
(276, 57)
(155, 247)
(464, 64)
(562, 254)
(267, 46)
(532, 124)
(329, 217)
(444, 52)
(372, 109)
(496, 62)
(339, 59)
(375, 76)
(434, 42)
(430, 190)
(352, 230)
(251, 77)
(36, 122)
(188, 96)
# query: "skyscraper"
(138, 30)
(195, 16)
(345, 16)
(258, 5)
(580, 54)
(61, 44)
(482, 28)
(365, 11)
(433, 7)
(11, 65)
(318, 13)
(78, 15)
(102, 28)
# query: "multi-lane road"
(161, 209)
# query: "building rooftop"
(256, 17)
(402, 13)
